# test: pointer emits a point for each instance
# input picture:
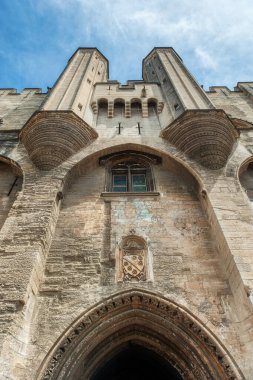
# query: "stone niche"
(207, 136)
(51, 137)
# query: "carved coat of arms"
(133, 261)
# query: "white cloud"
(213, 37)
(205, 59)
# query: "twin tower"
(188, 119)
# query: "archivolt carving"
(15, 167)
(151, 320)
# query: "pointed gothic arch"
(173, 162)
(144, 319)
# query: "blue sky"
(37, 37)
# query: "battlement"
(25, 91)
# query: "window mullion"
(129, 179)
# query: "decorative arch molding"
(135, 100)
(242, 166)
(113, 158)
(128, 163)
(102, 101)
(174, 162)
(119, 101)
(152, 100)
(16, 168)
(146, 319)
(238, 161)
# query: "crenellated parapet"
(142, 95)
(16, 108)
(246, 87)
(207, 136)
(51, 137)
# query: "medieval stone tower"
(126, 226)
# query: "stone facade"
(126, 225)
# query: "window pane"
(119, 189)
(138, 179)
(139, 189)
(139, 182)
(119, 183)
(119, 180)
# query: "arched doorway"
(144, 330)
(136, 363)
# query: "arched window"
(130, 175)
(129, 172)
(136, 108)
(119, 108)
(102, 107)
(152, 107)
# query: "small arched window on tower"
(152, 107)
(129, 172)
(119, 108)
(136, 108)
(103, 107)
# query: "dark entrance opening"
(136, 363)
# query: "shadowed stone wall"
(185, 260)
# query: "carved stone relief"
(131, 259)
